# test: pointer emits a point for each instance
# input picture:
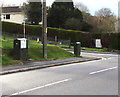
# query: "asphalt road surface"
(98, 77)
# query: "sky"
(92, 5)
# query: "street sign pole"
(24, 28)
(44, 29)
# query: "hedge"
(36, 30)
(84, 38)
(109, 40)
(18, 29)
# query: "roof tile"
(11, 9)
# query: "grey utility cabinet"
(21, 49)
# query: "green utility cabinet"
(21, 49)
(77, 48)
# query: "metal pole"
(44, 29)
(24, 28)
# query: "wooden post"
(44, 29)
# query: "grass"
(54, 52)
(7, 56)
(88, 49)
(95, 49)
(34, 52)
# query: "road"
(98, 77)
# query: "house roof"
(11, 9)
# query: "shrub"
(18, 29)
(109, 40)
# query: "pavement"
(44, 64)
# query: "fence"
(108, 40)
(54, 41)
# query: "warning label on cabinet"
(23, 43)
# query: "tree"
(33, 12)
(76, 13)
(62, 12)
(82, 7)
(102, 25)
(59, 12)
(61, 3)
(86, 26)
(104, 12)
(105, 20)
(57, 16)
(73, 23)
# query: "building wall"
(14, 17)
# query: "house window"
(4, 16)
(8, 16)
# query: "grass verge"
(91, 49)
(34, 52)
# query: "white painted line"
(103, 70)
(103, 58)
(47, 85)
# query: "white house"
(12, 14)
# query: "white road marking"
(47, 85)
(103, 70)
(102, 58)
